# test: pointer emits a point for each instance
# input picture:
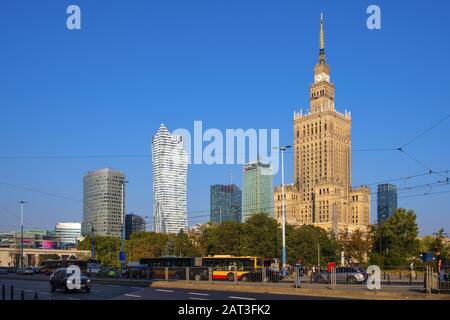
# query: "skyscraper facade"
(225, 203)
(258, 189)
(102, 202)
(322, 193)
(386, 201)
(170, 162)
(133, 223)
(68, 233)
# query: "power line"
(39, 191)
(425, 131)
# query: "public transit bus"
(49, 266)
(176, 267)
(225, 267)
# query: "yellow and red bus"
(225, 267)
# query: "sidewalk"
(338, 293)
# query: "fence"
(12, 293)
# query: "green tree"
(307, 242)
(106, 249)
(261, 236)
(396, 243)
(356, 245)
(146, 244)
(224, 238)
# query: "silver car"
(344, 275)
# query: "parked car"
(37, 270)
(12, 269)
(60, 280)
(347, 275)
(107, 273)
(3, 271)
(25, 272)
(257, 276)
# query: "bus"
(225, 267)
(49, 266)
(176, 267)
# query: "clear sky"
(105, 89)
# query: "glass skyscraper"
(386, 201)
(225, 203)
(170, 164)
(258, 189)
(133, 223)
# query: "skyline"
(266, 66)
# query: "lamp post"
(22, 203)
(122, 229)
(283, 211)
(93, 242)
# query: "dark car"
(25, 272)
(257, 276)
(3, 271)
(60, 280)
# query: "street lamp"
(283, 210)
(93, 242)
(122, 229)
(22, 203)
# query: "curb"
(345, 294)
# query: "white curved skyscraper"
(170, 162)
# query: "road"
(124, 292)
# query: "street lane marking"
(46, 293)
(132, 295)
(198, 294)
(241, 298)
(70, 298)
(196, 298)
(163, 290)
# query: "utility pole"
(318, 255)
(93, 242)
(283, 210)
(22, 203)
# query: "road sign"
(122, 256)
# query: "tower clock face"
(319, 77)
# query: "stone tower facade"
(322, 193)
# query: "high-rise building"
(322, 193)
(386, 201)
(102, 202)
(133, 223)
(170, 162)
(258, 189)
(225, 203)
(68, 233)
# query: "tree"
(106, 249)
(146, 244)
(261, 236)
(396, 243)
(304, 244)
(224, 238)
(436, 241)
(356, 245)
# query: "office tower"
(102, 202)
(322, 193)
(170, 162)
(133, 223)
(225, 203)
(386, 201)
(258, 189)
(68, 233)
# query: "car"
(25, 271)
(257, 276)
(60, 280)
(107, 273)
(37, 270)
(3, 271)
(344, 275)
(12, 269)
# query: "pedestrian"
(440, 263)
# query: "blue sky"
(104, 90)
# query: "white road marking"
(132, 295)
(198, 294)
(241, 298)
(196, 298)
(70, 298)
(163, 290)
(46, 293)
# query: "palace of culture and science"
(322, 194)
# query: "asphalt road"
(124, 292)
(98, 291)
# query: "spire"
(322, 42)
